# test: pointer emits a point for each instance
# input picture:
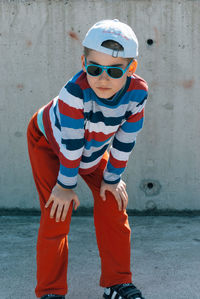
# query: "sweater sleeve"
(70, 107)
(123, 144)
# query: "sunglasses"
(114, 72)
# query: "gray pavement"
(165, 257)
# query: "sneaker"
(122, 291)
(52, 296)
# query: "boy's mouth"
(103, 88)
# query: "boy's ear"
(132, 68)
(83, 62)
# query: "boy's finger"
(58, 213)
(64, 213)
(119, 201)
(102, 194)
(124, 204)
(76, 204)
(53, 209)
(48, 202)
(124, 199)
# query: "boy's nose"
(104, 76)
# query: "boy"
(70, 135)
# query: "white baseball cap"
(112, 30)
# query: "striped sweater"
(79, 126)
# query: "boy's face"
(103, 85)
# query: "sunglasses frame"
(106, 68)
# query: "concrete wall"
(38, 54)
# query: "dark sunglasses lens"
(94, 70)
(115, 72)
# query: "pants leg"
(52, 244)
(112, 232)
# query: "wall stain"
(157, 35)
(18, 134)
(168, 106)
(73, 35)
(154, 83)
(20, 86)
(187, 84)
(29, 43)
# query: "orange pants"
(111, 225)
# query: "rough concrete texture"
(165, 257)
(40, 51)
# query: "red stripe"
(116, 163)
(96, 136)
(136, 117)
(82, 81)
(70, 111)
(137, 83)
(69, 163)
(88, 170)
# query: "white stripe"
(100, 127)
(111, 177)
(138, 109)
(114, 295)
(84, 165)
(70, 99)
(71, 155)
(106, 111)
(69, 133)
(126, 137)
(55, 100)
(121, 156)
(67, 181)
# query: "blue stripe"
(123, 147)
(130, 127)
(95, 155)
(95, 143)
(141, 103)
(89, 95)
(73, 144)
(112, 182)
(138, 95)
(69, 122)
(66, 187)
(68, 172)
(74, 89)
(114, 170)
(99, 117)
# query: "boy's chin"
(104, 94)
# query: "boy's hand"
(119, 192)
(61, 199)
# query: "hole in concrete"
(150, 187)
(149, 42)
